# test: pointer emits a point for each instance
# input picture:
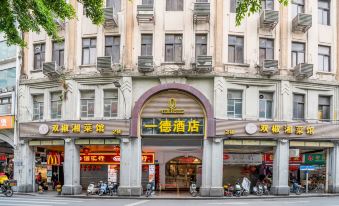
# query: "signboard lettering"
(111, 158)
(6, 122)
(186, 126)
(85, 128)
(286, 129)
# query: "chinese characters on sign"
(187, 126)
(286, 129)
(229, 132)
(6, 122)
(111, 158)
(85, 128)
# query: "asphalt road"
(56, 201)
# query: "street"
(55, 201)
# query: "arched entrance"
(6, 153)
(180, 171)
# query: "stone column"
(130, 167)
(280, 168)
(212, 168)
(24, 163)
(71, 169)
(333, 173)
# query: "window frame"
(266, 48)
(201, 44)
(295, 102)
(58, 102)
(235, 101)
(174, 46)
(297, 53)
(266, 101)
(179, 5)
(322, 106)
(8, 104)
(324, 55)
(87, 104)
(114, 99)
(299, 6)
(266, 5)
(145, 46)
(236, 47)
(38, 106)
(89, 48)
(321, 11)
(39, 56)
(59, 52)
(116, 57)
(233, 6)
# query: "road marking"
(228, 203)
(14, 204)
(56, 200)
(137, 203)
(294, 202)
(28, 201)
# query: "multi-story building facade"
(8, 71)
(171, 91)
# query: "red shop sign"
(268, 158)
(3, 158)
(111, 158)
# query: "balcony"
(203, 64)
(269, 19)
(52, 70)
(302, 71)
(201, 12)
(145, 64)
(302, 23)
(111, 18)
(269, 67)
(145, 13)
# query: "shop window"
(267, 4)
(265, 105)
(110, 103)
(38, 107)
(235, 49)
(174, 5)
(324, 58)
(89, 51)
(146, 44)
(266, 49)
(324, 108)
(39, 56)
(173, 48)
(87, 103)
(5, 105)
(297, 7)
(58, 53)
(56, 105)
(298, 53)
(112, 48)
(324, 12)
(234, 104)
(298, 106)
(200, 45)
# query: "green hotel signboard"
(314, 159)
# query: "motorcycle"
(149, 189)
(113, 188)
(237, 189)
(266, 191)
(92, 189)
(258, 189)
(228, 190)
(245, 185)
(6, 188)
(193, 189)
(103, 188)
(296, 188)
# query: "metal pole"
(306, 181)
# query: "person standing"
(55, 179)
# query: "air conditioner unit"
(104, 64)
(203, 64)
(302, 22)
(269, 19)
(145, 64)
(269, 67)
(111, 17)
(51, 69)
(303, 70)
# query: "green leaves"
(34, 15)
(248, 7)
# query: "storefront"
(6, 145)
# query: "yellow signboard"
(286, 129)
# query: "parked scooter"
(237, 189)
(113, 188)
(245, 186)
(228, 190)
(92, 189)
(149, 189)
(6, 187)
(193, 189)
(296, 188)
(103, 188)
(258, 189)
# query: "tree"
(248, 7)
(34, 15)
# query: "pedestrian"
(55, 179)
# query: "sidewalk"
(174, 196)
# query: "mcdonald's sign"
(53, 159)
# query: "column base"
(24, 188)
(333, 189)
(71, 189)
(204, 191)
(217, 192)
(130, 191)
(280, 190)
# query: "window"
(267, 4)
(298, 53)
(115, 4)
(39, 56)
(146, 44)
(6, 51)
(174, 5)
(5, 105)
(324, 108)
(233, 5)
(324, 12)
(56, 104)
(38, 107)
(58, 53)
(200, 45)
(7, 77)
(110, 103)
(265, 105)
(297, 7)
(89, 50)
(87, 103)
(202, 1)
(298, 106)
(235, 49)
(324, 58)
(112, 48)
(234, 104)
(266, 49)
(173, 48)
(147, 2)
